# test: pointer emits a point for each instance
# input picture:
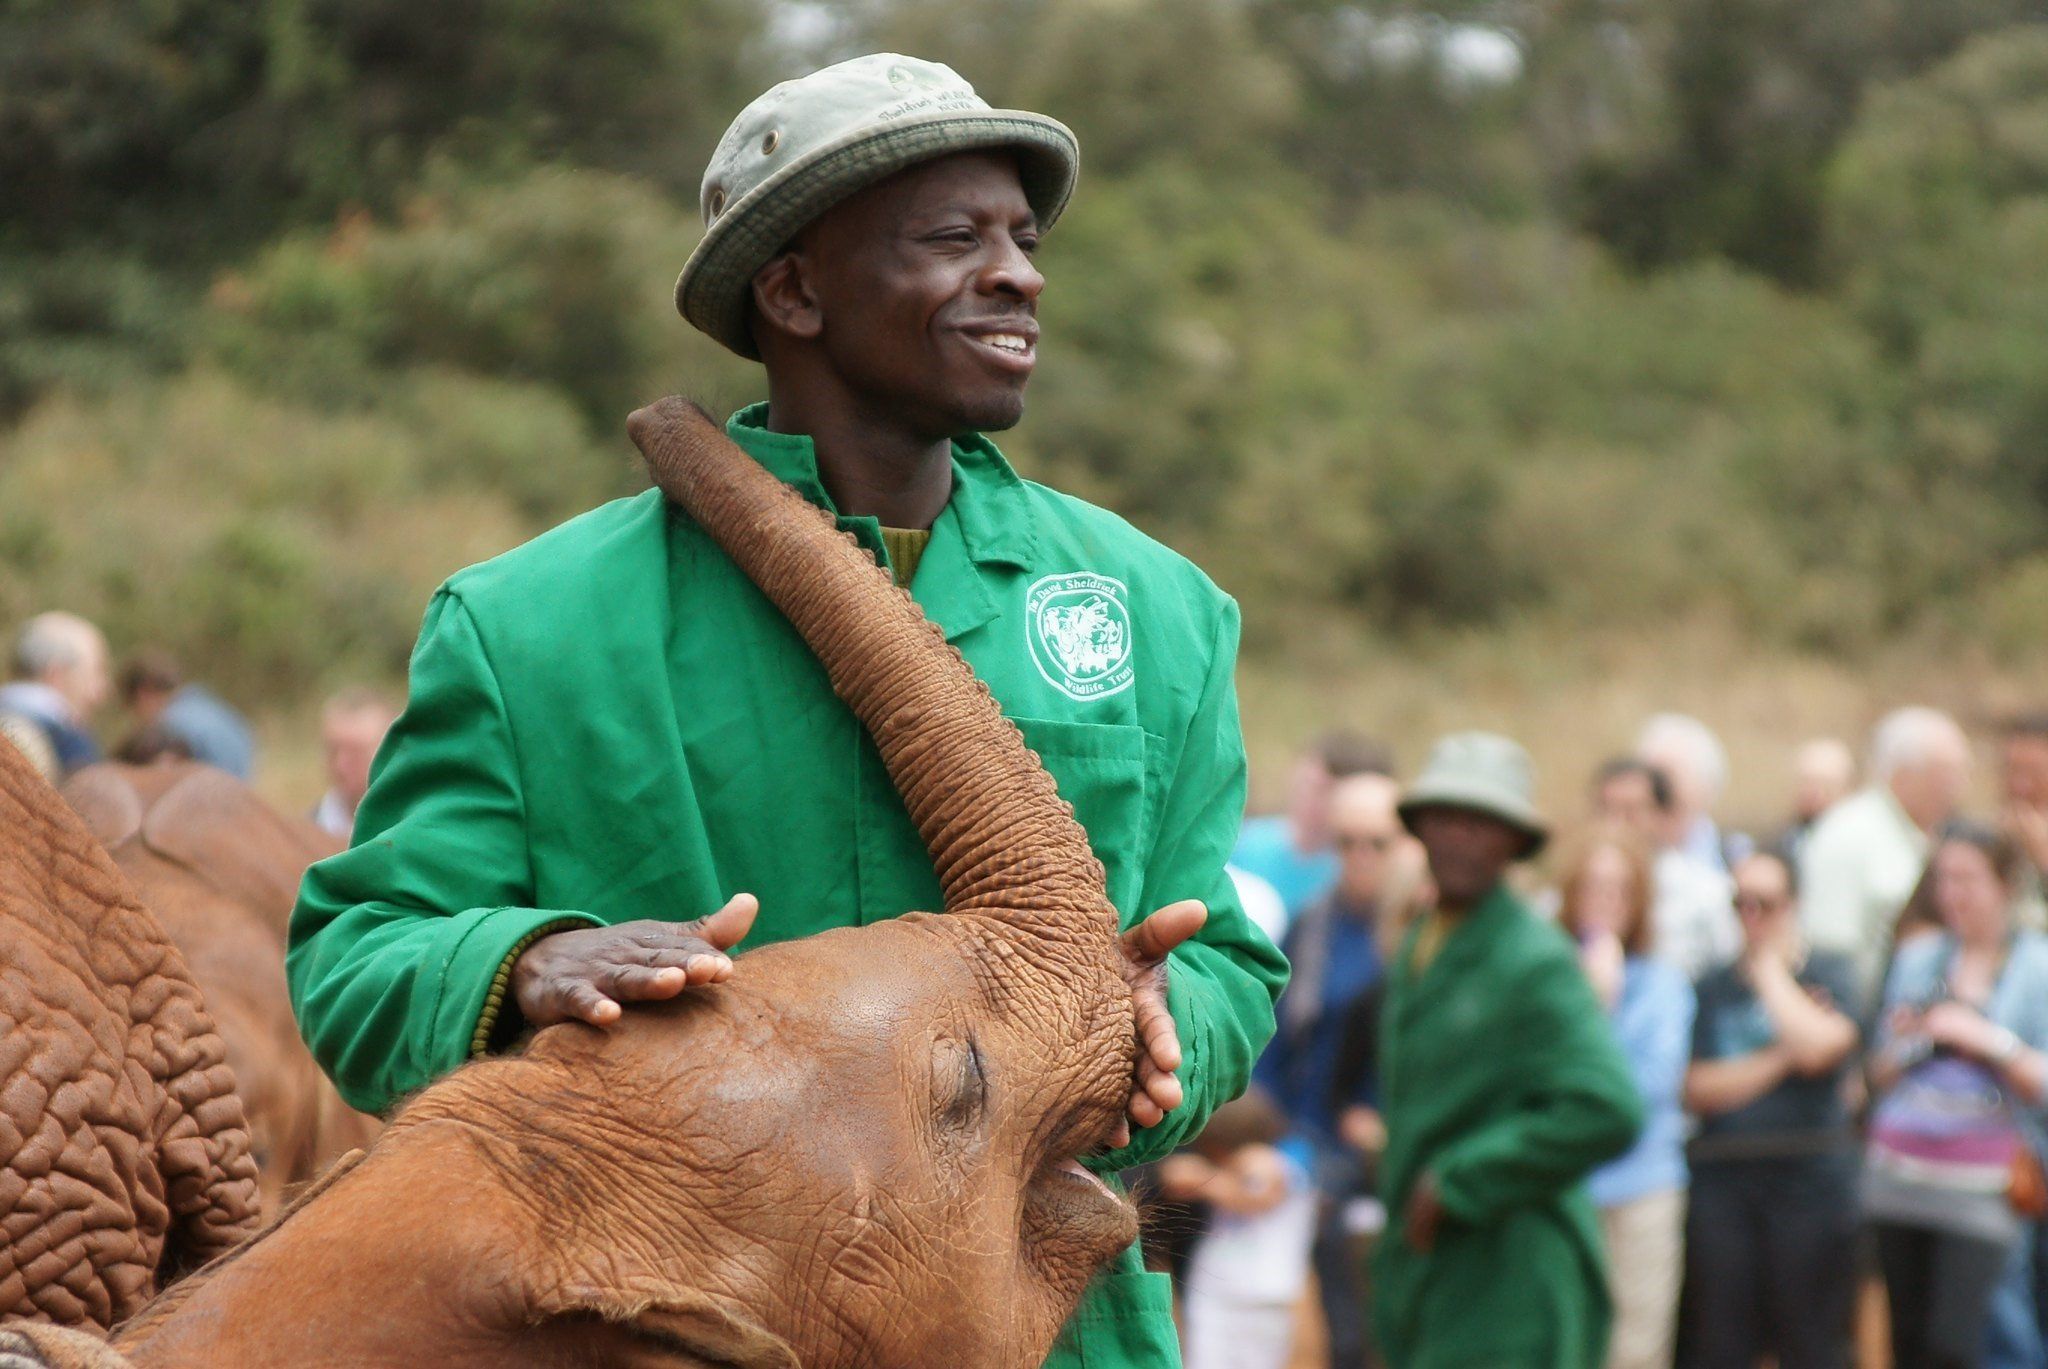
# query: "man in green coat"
(609, 730)
(1502, 1088)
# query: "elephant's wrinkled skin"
(218, 867)
(861, 1150)
(124, 1158)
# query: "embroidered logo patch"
(1079, 629)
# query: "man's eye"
(958, 237)
(1027, 245)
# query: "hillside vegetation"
(1688, 313)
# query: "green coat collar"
(1470, 940)
(986, 522)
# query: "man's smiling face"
(923, 294)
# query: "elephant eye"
(967, 1098)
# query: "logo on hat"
(1079, 630)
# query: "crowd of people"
(62, 681)
(1833, 1038)
(1677, 1099)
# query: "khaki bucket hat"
(1481, 772)
(810, 143)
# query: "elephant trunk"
(1003, 841)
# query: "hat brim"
(1535, 833)
(712, 292)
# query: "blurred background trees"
(1595, 314)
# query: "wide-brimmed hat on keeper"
(1480, 772)
(809, 143)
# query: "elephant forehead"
(856, 978)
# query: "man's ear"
(783, 299)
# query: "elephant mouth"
(1070, 1209)
(1074, 1171)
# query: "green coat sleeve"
(1575, 1103)
(1222, 983)
(396, 943)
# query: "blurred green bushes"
(1741, 319)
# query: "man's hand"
(1425, 1214)
(588, 974)
(1156, 1088)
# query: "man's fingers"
(1156, 1030)
(641, 983)
(581, 1000)
(1164, 1090)
(1165, 929)
(727, 927)
(1144, 1111)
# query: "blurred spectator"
(60, 668)
(1502, 1087)
(352, 727)
(1823, 773)
(1291, 850)
(1696, 763)
(1333, 949)
(31, 741)
(1771, 1233)
(1607, 889)
(1960, 1076)
(1261, 902)
(1692, 927)
(148, 745)
(2023, 776)
(1249, 1269)
(162, 700)
(1864, 857)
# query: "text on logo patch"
(1078, 626)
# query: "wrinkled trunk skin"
(858, 1151)
(219, 869)
(117, 1107)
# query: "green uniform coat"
(1500, 1075)
(612, 723)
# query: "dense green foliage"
(1694, 308)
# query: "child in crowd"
(1250, 1268)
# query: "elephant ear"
(124, 1157)
(680, 1326)
(208, 822)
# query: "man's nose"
(1011, 272)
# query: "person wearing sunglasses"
(1771, 1230)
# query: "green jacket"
(611, 723)
(1500, 1076)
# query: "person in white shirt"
(1863, 858)
(1694, 922)
(1249, 1270)
(1262, 902)
(352, 727)
(1693, 759)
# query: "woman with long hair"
(1951, 1170)
(1605, 898)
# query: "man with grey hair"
(60, 668)
(1694, 761)
(1866, 854)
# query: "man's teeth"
(1009, 342)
